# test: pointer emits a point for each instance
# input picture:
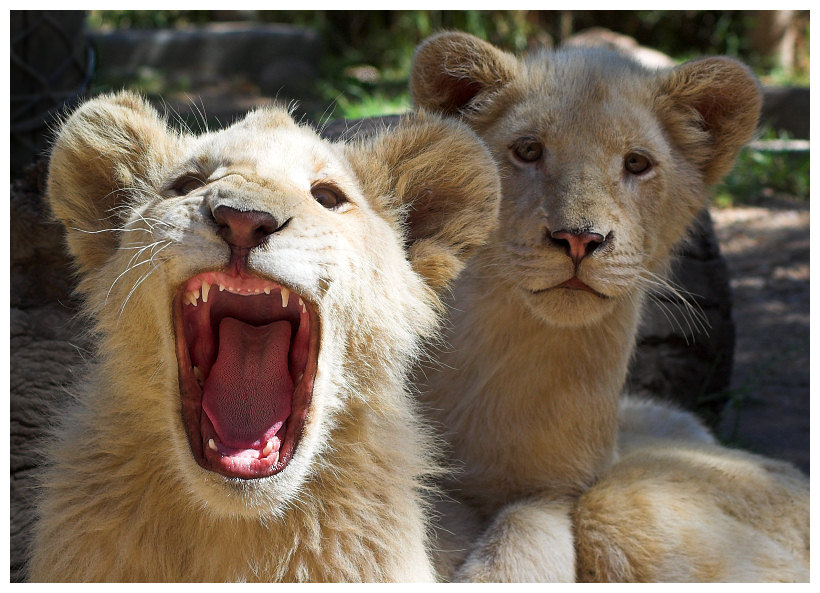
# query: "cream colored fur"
(527, 394)
(123, 498)
(677, 511)
(677, 507)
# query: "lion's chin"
(247, 353)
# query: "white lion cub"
(257, 297)
(604, 164)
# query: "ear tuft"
(441, 178)
(452, 72)
(711, 107)
(107, 147)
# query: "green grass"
(370, 106)
(764, 174)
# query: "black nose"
(244, 229)
(578, 244)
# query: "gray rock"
(208, 52)
(787, 109)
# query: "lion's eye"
(637, 163)
(527, 150)
(328, 196)
(187, 184)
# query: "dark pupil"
(529, 151)
(636, 163)
(189, 184)
(326, 198)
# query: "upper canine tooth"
(206, 288)
(302, 304)
(285, 296)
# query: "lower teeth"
(268, 448)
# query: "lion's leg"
(529, 540)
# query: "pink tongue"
(248, 392)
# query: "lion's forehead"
(574, 129)
(272, 152)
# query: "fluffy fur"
(693, 511)
(604, 164)
(677, 507)
(126, 495)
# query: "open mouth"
(247, 351)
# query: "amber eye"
(187, 184)
(527, 150)
(328, 196)
(637, 163)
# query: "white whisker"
(153, 269)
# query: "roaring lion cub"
(604, 164)
(258, 296)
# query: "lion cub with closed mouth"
(257, 297)
(604, 165)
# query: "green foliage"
(357, 103)
(762, 174)
(383, 40)
(146, 19)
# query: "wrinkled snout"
(245, 213)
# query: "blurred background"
(211, 66)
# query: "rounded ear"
(453, 72)
(710, 107)
(440, 179)
(107, 147)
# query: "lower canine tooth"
(268, 448)
(211, 445)
(200, 378)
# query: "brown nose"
(578, 244)
(244, 229)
